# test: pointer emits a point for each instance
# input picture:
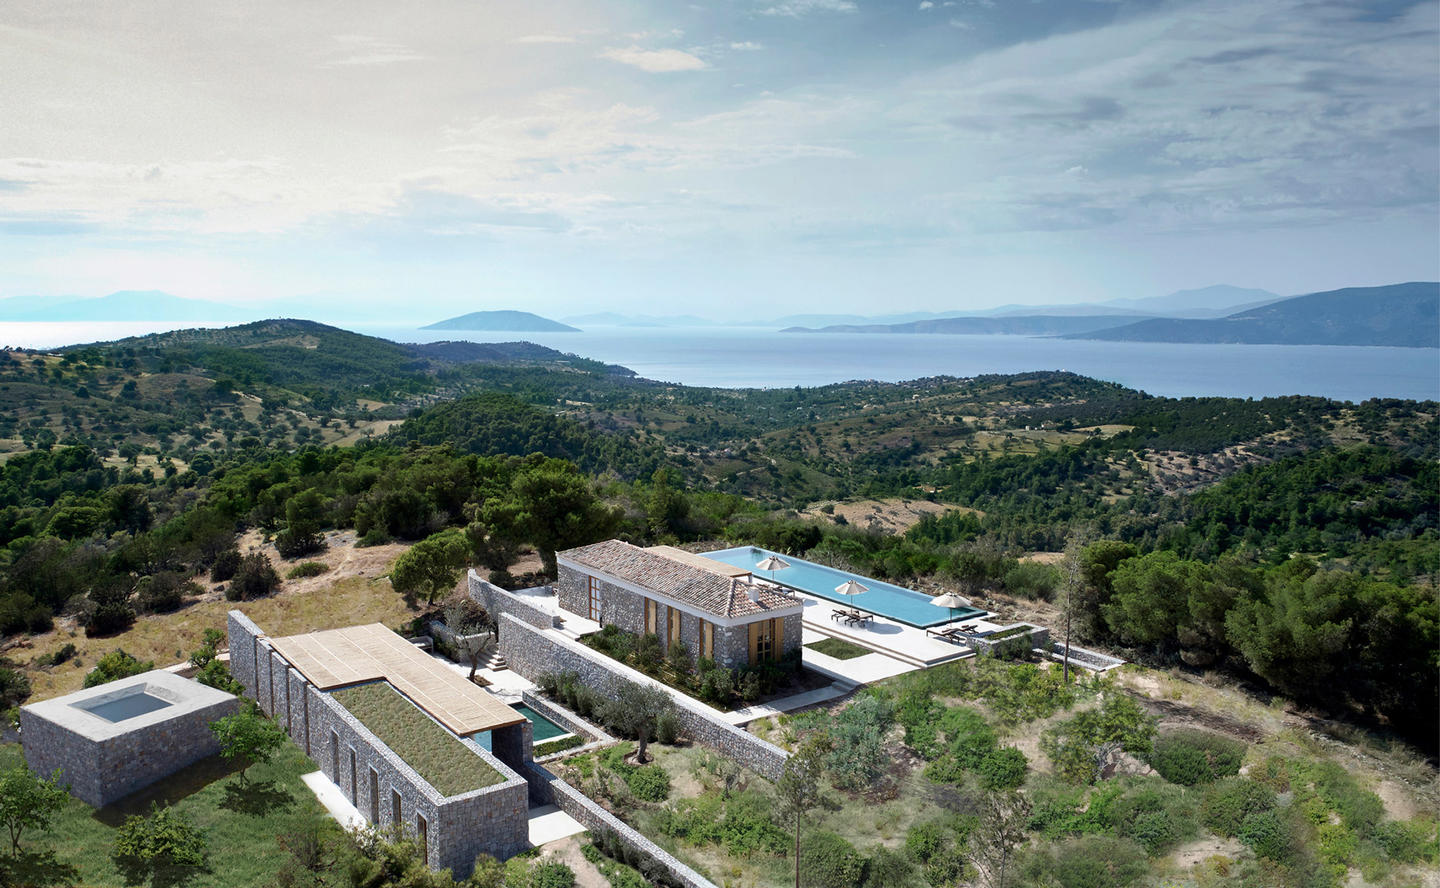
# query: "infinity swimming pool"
(886, 599)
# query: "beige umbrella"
(851, 587)
(950, 600)
(772, 563)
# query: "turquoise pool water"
(886, 599)
(543, 728)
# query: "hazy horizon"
(760, 156)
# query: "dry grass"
(353, 592)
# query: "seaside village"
(457, 738)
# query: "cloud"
(545, 38)
(746, 46)
(926, 4)
(655, 61)
(356, 50)
(798, 8)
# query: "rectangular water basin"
(127, 707)
(886, 599)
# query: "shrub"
(1091, 862)
(1003, 768)
(1191, 757)
(1230, 800)
(225, 566)
(116, 665)
(59, 656)
(649, 783)
(828, 861)
(552, 874)
(255, 578)
(667, 728)
(888, 869)
(163, 592)
(559, 744)
(648, 652)
(217, 675)
(14, 687)
(165, 847)
(924, 840)
(679, 658)
(1155, 815)
(1265, 834)
(306, 569)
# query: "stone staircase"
(495, 662)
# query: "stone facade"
(1017, 642)
(104, 761)
(485, 594)
(376, 780)
(626, 609)
(531, 652)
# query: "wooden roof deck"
(337, 658)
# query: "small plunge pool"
(127, 707)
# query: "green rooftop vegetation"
(436, 755)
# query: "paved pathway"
(786, 704)
(330, 795)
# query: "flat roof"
(76, 712)
(337, 658)
(700, 561)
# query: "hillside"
(1023, 325)
(1405, 315)
(124, 305)
(1206, 302)
(508, 321)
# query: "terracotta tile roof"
(705, 589)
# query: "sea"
(750, 357)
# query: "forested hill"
(1397, 315)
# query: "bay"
(739, 357)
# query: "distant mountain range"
(1020, 325)
(124, 305)
(1406, 315)
(507, 321)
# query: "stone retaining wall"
(1015, 646)
(532, 652)
(552, 790)
(497, 601)
(377, 781)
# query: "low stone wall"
(1015, 644)
(531, 652)
(372, 776)
(1087, 659)
(589, 814)
(595, 737)
(497, 601)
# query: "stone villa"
(718, 611)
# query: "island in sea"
(509, 321)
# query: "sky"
(728, 158)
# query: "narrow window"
(707, 639)
(395, 807)
(672, 624)
(422, 829)
(374, 796)
(354, 798)
(652, 615)
(335, 756)
(594, 599)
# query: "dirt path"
(567, 851)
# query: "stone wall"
(531, 652)
(1017, 644)
(593, 817)
(101, 770)
(497, 601)
(491, 820)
